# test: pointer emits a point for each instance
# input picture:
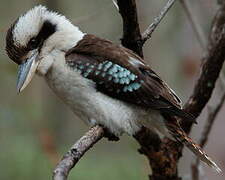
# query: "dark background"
(36, 128)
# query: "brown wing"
(121, 74)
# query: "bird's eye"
(33, 43)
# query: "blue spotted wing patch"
(119, 81)
(108, 76)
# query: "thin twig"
(115, 4)
(205, 134)
(195, 25)
(211, 118)
(148, 32)
(70, 159)
(202, 41)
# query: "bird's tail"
(177, 133)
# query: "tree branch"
(164, 155)
(210, 71)
(71, 158)
(212, 114)
(212, 65)
(205, 134)
(211, 118)
(151, 28)
(131, 32)
(195, 26)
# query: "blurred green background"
(36, 129)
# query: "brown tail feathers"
(176, 131)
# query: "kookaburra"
(103, 83)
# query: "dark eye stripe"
(46, 31)
(33, 43)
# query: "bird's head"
(33, 36)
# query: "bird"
(102, 83)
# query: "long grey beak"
(27, 70)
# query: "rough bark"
(131, 32)
(71, 158)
